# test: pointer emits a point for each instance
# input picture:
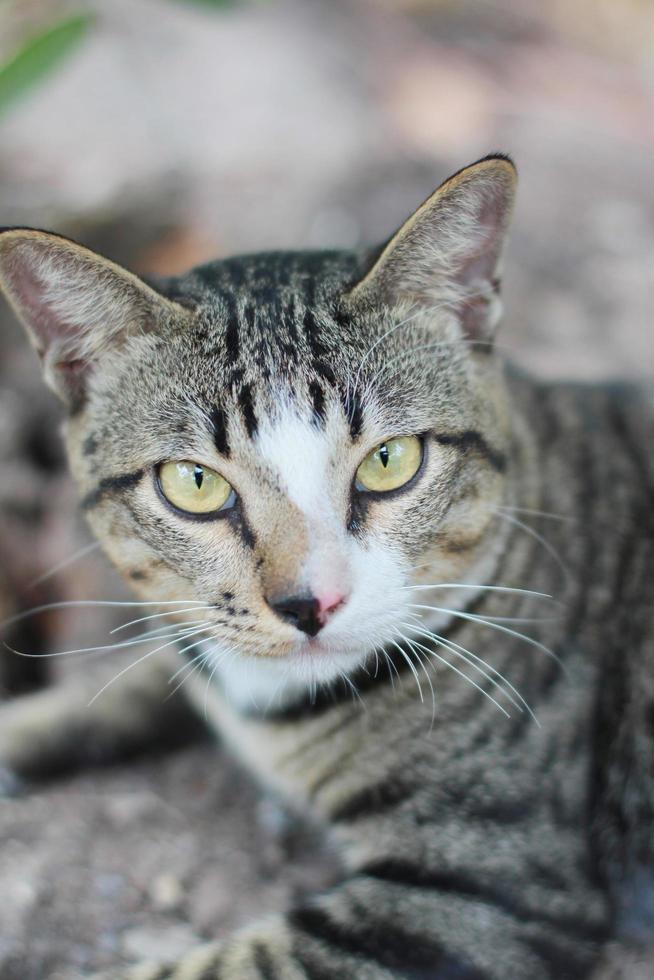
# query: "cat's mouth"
(322, 654)
(313, 645)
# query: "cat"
(316, 465)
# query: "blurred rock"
(166, 892)
(164, 944)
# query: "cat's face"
(288, 440)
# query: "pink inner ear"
(474, 311)
(71, 377)
(480, 267)
(47, 327)
(481, 263)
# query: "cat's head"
(287, 439)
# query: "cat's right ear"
(74, 304)
(449, 253)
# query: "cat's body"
(489, 830)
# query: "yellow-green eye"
(391, 465)
(192, 487)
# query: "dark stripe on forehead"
(356, 418)
(236, 272)
(282, 270)
(219, 430)
(354, 413)
(318, 402)
(264, 292)
(308, 294)
(236, 377)
(250, 315)
(109, 486)
(246, 405)
(290, 318)
(321, 354)
(312, 331)
(324, 371)
(342, 319)
(232, 343)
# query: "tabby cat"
(414, 586)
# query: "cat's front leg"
(313, 942)
(64, 727)
(371, 928)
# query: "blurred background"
(167, 132)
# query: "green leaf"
(38, 57)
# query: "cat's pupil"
(198, 476)
(384, 455)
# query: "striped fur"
(487, 831)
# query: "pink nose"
(328, 604)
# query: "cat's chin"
(270, 684)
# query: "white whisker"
(189, 663)
(135, 663)
(384, 369)
(170, 612)
(539, 513)
(475, 661)
(420, 660)
(392, 669)
(550, 549)
(413, 670)
(486, 588)
(420, 311)
(443, 660)
(97, 603)
(87, 549)
(195, 663)
(396, 326)
(441, 343)
(186, 625)
(473, 618)
(218, 657)
(134, 641)
(353, 689)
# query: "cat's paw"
(144, 971)
(198, 964)
(149, 971)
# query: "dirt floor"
(354, 113)
(143, 861)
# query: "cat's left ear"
(74, 304)
(449, 252)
